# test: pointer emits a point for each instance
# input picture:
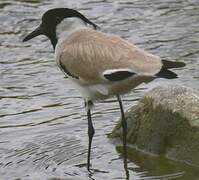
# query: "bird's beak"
(38, 31)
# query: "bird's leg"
(124, 127)
(91, 130)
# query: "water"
(43, 126)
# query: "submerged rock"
(165, 122)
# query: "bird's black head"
(51, 19)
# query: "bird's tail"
(172, 64)
(165, 72)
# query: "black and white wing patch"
(118, 74)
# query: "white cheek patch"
(118, 74)
(68, 26)
(62, 28)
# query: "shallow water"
(43, 126)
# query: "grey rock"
(165, 122)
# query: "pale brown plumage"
(100, 65)
(87, 53)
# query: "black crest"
(55, 16)
(51, 19)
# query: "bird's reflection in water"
(155, 167)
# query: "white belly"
(92, 92)
(95, 92)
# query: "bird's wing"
(95, 56)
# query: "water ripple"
(43, 124)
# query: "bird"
(98, 64)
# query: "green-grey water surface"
(43, 124)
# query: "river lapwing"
(99, 65)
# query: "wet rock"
(165, 122)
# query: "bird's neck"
(67, 27)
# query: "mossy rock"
(165, 122)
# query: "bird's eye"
(58, 19)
